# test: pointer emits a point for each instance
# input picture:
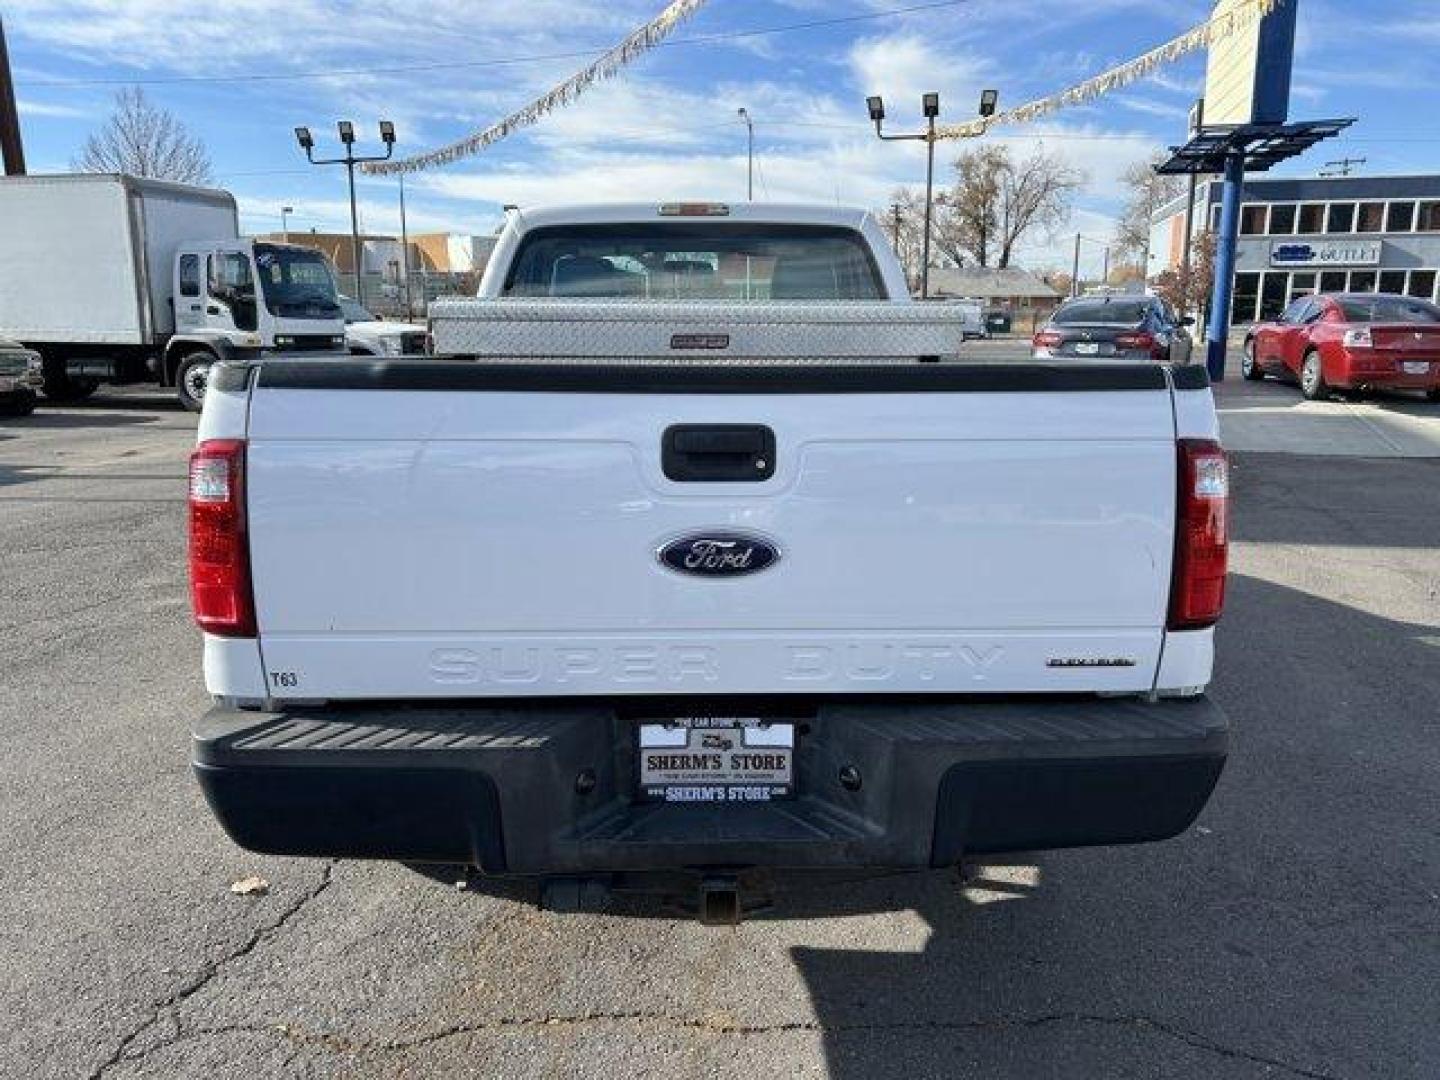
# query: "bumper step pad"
(547, 789)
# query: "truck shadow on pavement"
(127, 415)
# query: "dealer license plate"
(1087, 348)
(716, 759)
(1416, 367)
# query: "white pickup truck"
(705, 551)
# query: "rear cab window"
(1388, 309)
(695, 261)
(1114, 312)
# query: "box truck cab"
(239, 296)
(114, 278)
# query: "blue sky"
(242, 74)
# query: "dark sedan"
(19, 378)
(1137, 329)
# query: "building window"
(1332, 281)
(1215, 218)
(1312, 219)
(1429, 217)
(1301, 285)
(1282, 221)
(1422, 283)
(1392, 281)
(1247, 292)
(1372, 217)
(1252, 220)
(1362, 281)
(1341, 218)
(1274, 294)
(1400, 217)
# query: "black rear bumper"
(548, 791)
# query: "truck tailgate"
(432, 530)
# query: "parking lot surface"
(1291, 933)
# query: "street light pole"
(930, 107)
(285, 212)
(744, 114)
(350, 160)
(932, 110)
(405, 251)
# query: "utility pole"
(405, 251)
(1105, 274)
(1075, 269)
(1343, 167)
(11, 148)
(744, 114)
(347, 138)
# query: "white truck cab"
(235, 296)
(365, 335)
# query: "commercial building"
(1318, 234)
(440, 264)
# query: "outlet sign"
(1323, 253)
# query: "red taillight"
(1139, 339)
(1202, 540)
(1046, 339)
(219, 550)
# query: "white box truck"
(118, 279)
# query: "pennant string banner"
(652, 33)
(1197, 37)
(639, 42)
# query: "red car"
(1350, 341)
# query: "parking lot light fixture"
(350, 160)
(930, 109)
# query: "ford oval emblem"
(719, 554)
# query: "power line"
(452, 65)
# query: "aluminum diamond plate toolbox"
(704, 330)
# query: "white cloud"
(902, 67)
(52, 110)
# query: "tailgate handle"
(718, 452)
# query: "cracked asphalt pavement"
(1294, 932)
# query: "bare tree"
(144, 140)
(1171, 284)
(1146, 192)
(1036, 193)
(968, 220)
(998, 201)
(904, 222)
